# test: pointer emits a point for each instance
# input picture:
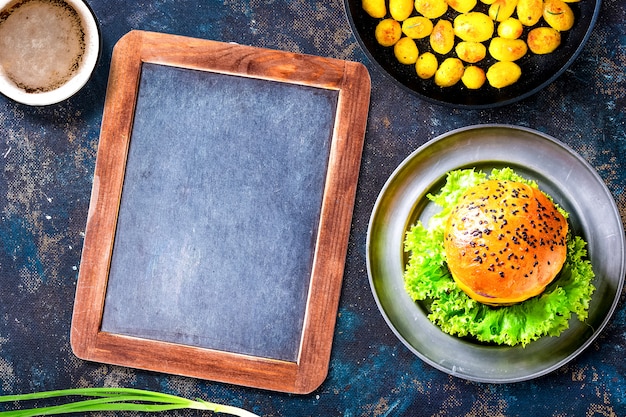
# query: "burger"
(505, 241)
(499, 262)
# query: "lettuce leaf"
(428, 280)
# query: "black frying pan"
(537, 70)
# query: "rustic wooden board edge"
(352, 82)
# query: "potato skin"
(471, 52)
(543, 40)
(406, 51)
(388, 32)
(473, 77)
(511, 28)
(400, 9)
(558, 15)
(500, 10)
(462, 6)
(473, 27)
(375, 8)
(426, 65)
(503, 49)
(529, 11)
(503, 73)
(449, 72)
(431, 9)
(442, 37)
(417, 27)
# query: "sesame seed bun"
(505, 242)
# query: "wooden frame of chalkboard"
(135, 144)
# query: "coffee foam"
(41, 44)
(44, 46)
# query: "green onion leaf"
(113, 399)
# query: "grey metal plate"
(560, 172)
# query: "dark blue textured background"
(48, 155)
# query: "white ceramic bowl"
(48, 49)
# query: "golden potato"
(462, 6)
(388, 32)
(558, 15)
(529, 11)
(406, 51)
(503, 49)
(431, 9)
(473, 77)
(471, 52)
(473, 27)
(502, 74)
(426, 65)
(449, 72)
(500, 10)
(511, 28)
(375, 8)
(400, 9)
(442, 37)
(543, 40)
(417, 27)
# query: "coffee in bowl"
(48, 49)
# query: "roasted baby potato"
(502, 74)
(400, 9)
(558, 15)
(388, 32)
(471, 52)
(511, 28)
(449, 72)
(406, 51)
(462, 6)
(529, 11)
(503, 49)
(375, 8)
(503, 29)
(473, 27)
(473, 77)
(431, 9)
(426, 65)
(442, 37)
(500, 10)
(543, 40)
(417, 27)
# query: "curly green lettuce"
(427, 279)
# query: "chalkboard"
(220, 211)
(222, 215)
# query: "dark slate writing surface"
(219, 211)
